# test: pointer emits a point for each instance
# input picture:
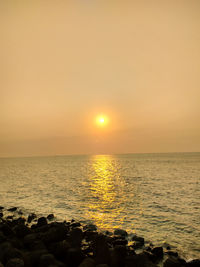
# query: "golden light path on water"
(107, 189)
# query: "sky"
(63, 63)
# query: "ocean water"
(156, 196)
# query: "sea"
(156, 196)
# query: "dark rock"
(12, 209)
(46, 260)
(1, 207)
(90, 235)
(30, 239)
(15, 262)
(75, 224)
(136, 245)
(193, 263)
(57, 232)
(174, 262)
(138, 260)
(2, 237)
(42, 221)
(122, 242)
(31, 217)
(118, 255)
(120, 232)
(101, 250)
(31, 259)
(59, 249)
(90, 227)
(11, 253)
(138, 239)
(76, 236)
(1, 265)
(50, 217)
(9, 217)
(20, 212)
(172, 253)
(158, 252)
(74, 257)
(152, 257)
(6, 229)
(21, 230)
(1, 214)
(102, 265)
(87, 262)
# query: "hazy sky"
(62, 63)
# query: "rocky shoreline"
(29, 241)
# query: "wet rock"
(31, 217)
(46, 260)
(90, 235)
(139, 260)
(118, 255)
(76, 236)
(120, 242)
(59, 249)
(87, 262)
(2, 237)
(102, 265)
(174, 262)
(21, 230)
(50, 217)
(172, 253)
(42, 221)
(31, 259)
(15, 262)
(30, 239)
(57, 232)
(75, 224)
(12, 209)
(6, 229)
(101, 250)
(1, 207)
(74, 257)
(138, 239)
(90, 227)
(1, 214)
(158, 252)
(193, 263)
(120, 232)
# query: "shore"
(29, 241)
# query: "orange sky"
(62, 63)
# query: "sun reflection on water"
(106, 189)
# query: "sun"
(101, 120)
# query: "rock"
(32, 258)
(42, 221)
(21, 230)
(2, 237)
(50, 217)
(90, 235)
(74, 257)
(90, 227)
(1, 207)
(46, 260)
(76, 236)
(122, 242)
(87, 262)
(30, 239)
(11, 253)
(57, 232)
(138, 239)
(6, 229)
(31, 217)
(75, 224)
(1, 214)
(138, 260)
(1, 265)
(173, 262)
(158, 252)
(120, 232)
(101, 250)
(15, 262)
(118, 255)
(102, 265)
(12, 209)
(59, 249)
(193, 263)
(172, 253)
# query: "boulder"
(59, 249)
(118, 255)
(138, 260)
(15, 262)
(101, 250)
(46, 259)
(193, 263)
(90, 227)
(138, 239)
(158, 252)
(31, 217)
(50, 217)
(21, 230)
(120, 232)
(12, 209)
(1, 214)
(42, 221)
(174, 262)
(74, 257)
(87, 262)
